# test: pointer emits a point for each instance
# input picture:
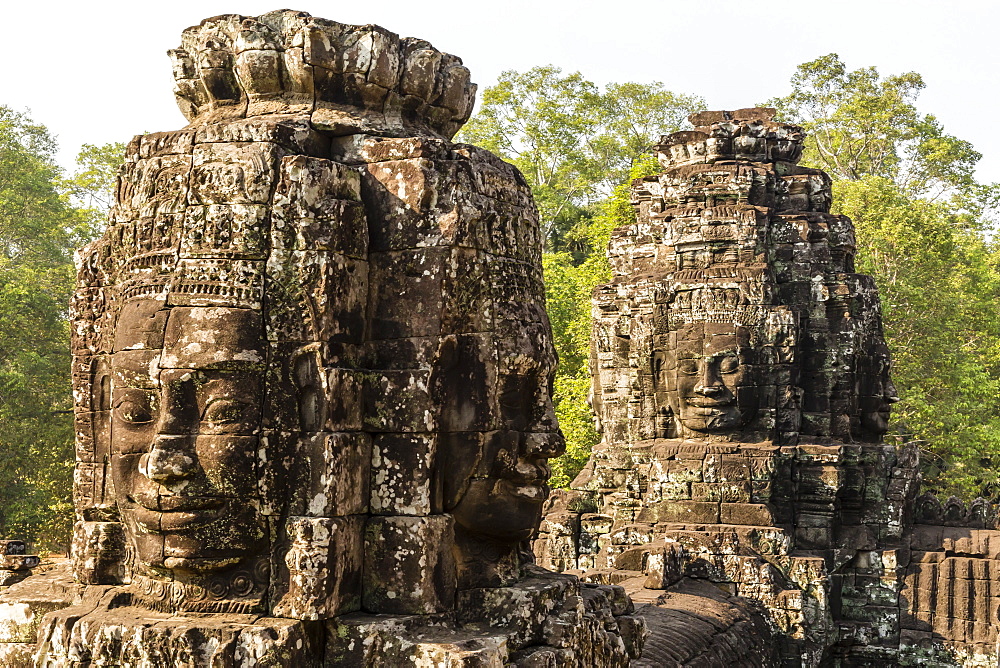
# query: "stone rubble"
(15, 562)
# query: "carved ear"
(447, 354)
(306, 371)
(459, 454)
(657, 361)
(666, 426)
(458, 381)
(100, 384)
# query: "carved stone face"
(505, 493)
(706, 378)
(876, 401)
(186, 406)
(495, 480)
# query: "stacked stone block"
(312, 370)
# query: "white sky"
(97, 71)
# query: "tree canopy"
(40, 225)
(573, 142)
(862, 124)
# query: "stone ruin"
(312, 373)
(742, 492)
(312, 377)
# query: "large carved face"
(706, 378)
(186, 406)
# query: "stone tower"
(311, 373)
(741, 384)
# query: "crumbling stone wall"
(311, 373)
(741, 384)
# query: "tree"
(569, 285)
(39, 228)
(939, 285)
(923, 232)
(92, 186)
(573, 142)
(861, 124)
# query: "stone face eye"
(512, 399)
(729, 364)
(224, 411)
(688, 367)
(134, 410)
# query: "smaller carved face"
(877, 399)
(706, 378)
(506, 491)
(499, 431)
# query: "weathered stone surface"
(696, 624)
(323, 562)
(409, 566)
(345, 79)
(312, 373)
(15, 563)
(23, 604)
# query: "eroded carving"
(313, 377)
(741, 382)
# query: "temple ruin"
(311, 377)
(742, 492)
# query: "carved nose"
(890, 394)
(170, 460)
(709, 382)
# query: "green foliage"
(861, 124)
(40, 225)
(939, 286)
(92, 186)
(37, 233)
(923, 234)
(577, 423)
(573, 142)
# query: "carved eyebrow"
(731, 352)
(144, 390)
(132, 394)
(145, 384)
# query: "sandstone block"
(323, 562)
(401, 551)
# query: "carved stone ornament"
(312, 374)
